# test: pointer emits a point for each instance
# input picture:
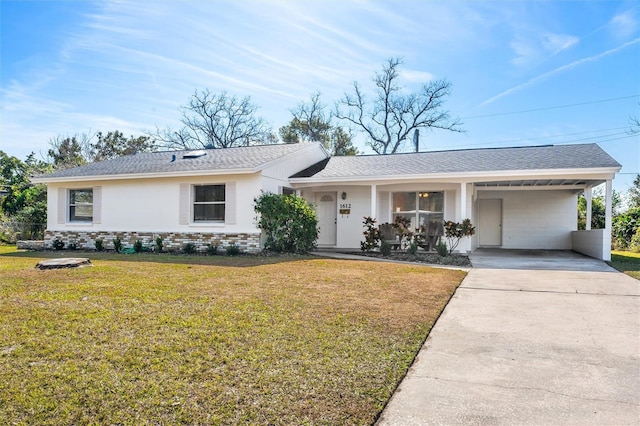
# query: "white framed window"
(81, 205)
(288, 191)
(419, 207)
(209, 203)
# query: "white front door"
(326, 210)
(490, 223)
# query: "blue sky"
(523, 72)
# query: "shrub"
(159, 244)
(385, 248)
(413, 248)
(99, 245)
(117, 244)
(624, 227)
(442, 249)
(137, 246)
(73, 245)
(212, 249)
(58, 244)
(371, 234)
(455, 232)
(233, 250)
(288, 221)
(189, 248)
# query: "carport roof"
(518, 159)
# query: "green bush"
(288, 221)
(189, 248)
(137, 246)
(371, 234)
(455, 232)
(212, 249)
(385, 248)
(159, 244)
(117, 244)
(442, 248)
(624, 228)
(73, 245)
(58, 244)
(413, 248)
(233, 250)
(99, 245)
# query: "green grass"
(160, 339)
(627, 262)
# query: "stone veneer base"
(171, 241)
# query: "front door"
(490, 223)
(326, 210)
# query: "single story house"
(521, 198)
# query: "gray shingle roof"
(250, 158)
(583, 156)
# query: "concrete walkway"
(530, 337)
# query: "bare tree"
(388, 119)
(310, 122)
(213, 120)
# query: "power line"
(551, 107)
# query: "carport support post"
(606, 249)
(588, 196)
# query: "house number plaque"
(345, 209)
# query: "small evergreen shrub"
(189, 248)
(371, 234)
(289, 223)
(385, 248)
(58, 244)
(99, 245)
(117, 244)
(137, 246)
(455, 232)
(73, 245)
(159, 244)
(233, 250)
(413, 248)
(442, 249)
(212, 249)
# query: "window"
(81, 205)
(209, 203)
(419, 207)
(288, 191)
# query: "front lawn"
(627, 262)
(160, 339)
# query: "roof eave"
(457, 176)
(126, 176)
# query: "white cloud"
(558, 70)
(555, 43)
(624, 25)
(416, 76)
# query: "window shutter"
(97, 204)
(185, 203)
(62, 205)
(230, 203)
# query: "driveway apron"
(529, 337)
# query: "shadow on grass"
(240, 261)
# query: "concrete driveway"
(530, 337)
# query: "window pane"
(81, 213)
(208, 212)
(431, 201)
(78, 196)
(404, 202)
(209, 193)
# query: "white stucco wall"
(153, 205)
(536, 219)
